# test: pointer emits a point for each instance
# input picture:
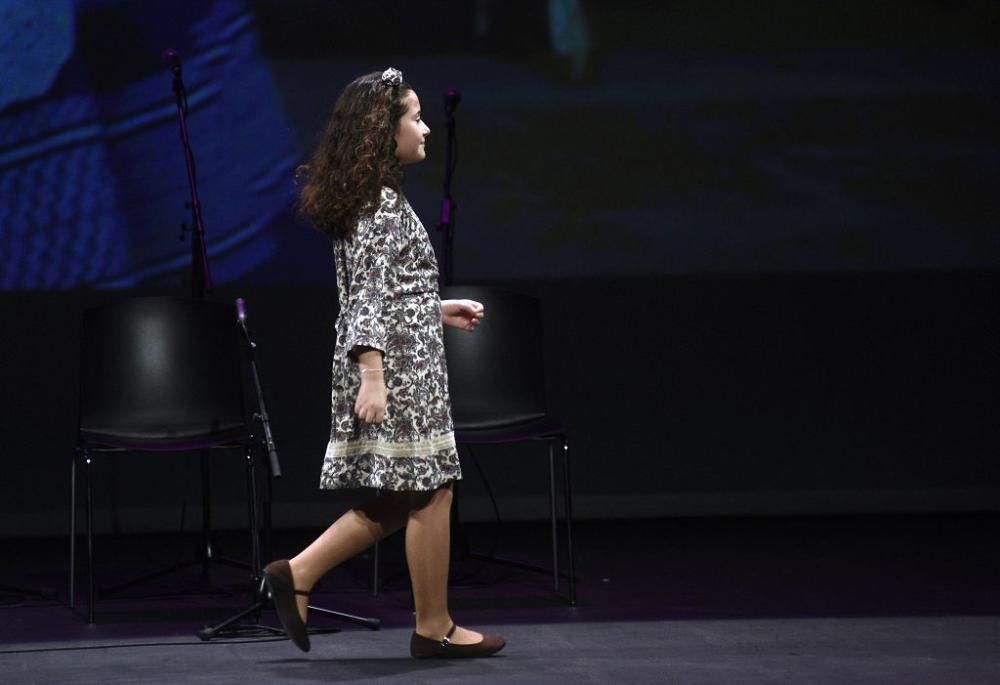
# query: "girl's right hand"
(372, 400)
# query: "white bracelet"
(371, 370)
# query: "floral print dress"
(388, 294)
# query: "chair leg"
(72, 532)
(206, 512)
(376, 560)
(568, 506)
(255, 562)
(88, 477)
(552, 518)
(266, 513)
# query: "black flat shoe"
(425, 648)
(281, 587)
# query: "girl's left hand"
(463, 314)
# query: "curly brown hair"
(356, 156)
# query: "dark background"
(765, 239)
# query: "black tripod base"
(370, 623)
(232, 626)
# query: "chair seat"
(533, 429)
(146, 443)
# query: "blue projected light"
(92, 179)
(36, 39)
(677, 143)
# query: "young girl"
(391, 426)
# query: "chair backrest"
(161, 373)
(496, 373)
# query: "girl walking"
(391, 417)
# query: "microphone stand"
(262, 416)
(207, 632)
(201, 278)
(452, 97)
(265, 421)
(448, 207)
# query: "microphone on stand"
(446, 208)
(452, 97)
(241, 319)
(172, 60)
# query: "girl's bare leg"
(355, 531)
(428, 547)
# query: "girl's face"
(411, 132)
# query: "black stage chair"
(161, 374)
(496, 377)
(497, 383)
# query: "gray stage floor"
(869, 599)
(961, 650)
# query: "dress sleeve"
(371, 253)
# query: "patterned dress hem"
(337, 449)
(371, 470)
